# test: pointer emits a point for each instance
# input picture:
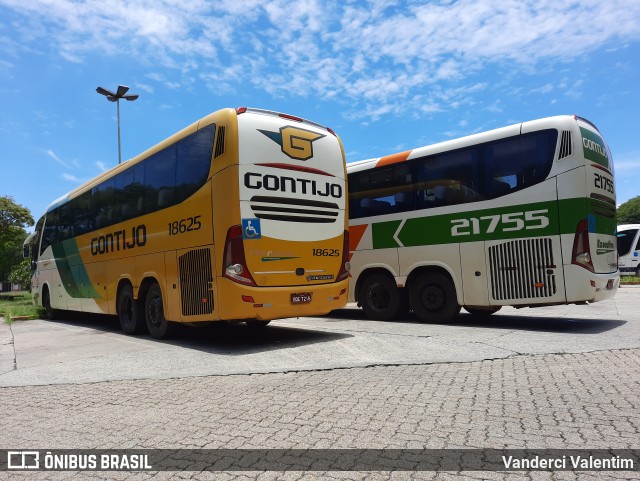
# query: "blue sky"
(385, 75)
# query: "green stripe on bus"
(509, 222)
(73, 273)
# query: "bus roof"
(459, 143)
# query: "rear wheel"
(157, 324)
(131, 321)
(381, 299)
(638, 270)
(433, 298)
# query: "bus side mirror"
(25, 252)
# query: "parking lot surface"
(557, 377)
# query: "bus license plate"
(301, 298)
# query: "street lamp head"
(121, 93)
(122, 89)
(105, 92)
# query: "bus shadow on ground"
(232, 338)
(497, 321)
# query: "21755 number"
(488, 224)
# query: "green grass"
(629, 280)
(18, 304)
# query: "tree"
(21, 275)
(13, 220)
(629, 212)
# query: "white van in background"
(629, 249)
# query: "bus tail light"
(235, 264)
(581, 254)
(345, 266)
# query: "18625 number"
(185, 225)
(326, 252)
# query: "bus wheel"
(130, 320)
(256, 323)
(158, 326)
(49, 312)
(381, 299)
(482, 312)
(638, 270)
(433, 298)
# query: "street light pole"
(115, 97)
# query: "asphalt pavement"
(565, 377)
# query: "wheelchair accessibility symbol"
(251, 229)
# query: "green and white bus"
(519, 216)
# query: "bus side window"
(193, 162)
(49, 232)
(381, 191)
(65, 222)
(81, 207)
(160, 179)
(448, 179)
(517, 162)
(102, 204)
(123, 197)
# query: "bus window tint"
(381, 191)
(64, 223)
(518, 162)
(448, 179)
(160, 179)
(81, 207)
(194, 162)
(102, 203)
(49, 232)
(625, 241)
(156, 183)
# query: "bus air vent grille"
(195, 282)
(522, 269)
(220, 142)
(566, 148)
(294, 210)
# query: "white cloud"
(378, 57)
(52, 154)
(102, 166)
(70, 178)
(624, 165)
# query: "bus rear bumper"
(591, 287)
(238, 302)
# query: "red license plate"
(301, 298)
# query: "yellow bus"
(239, 216)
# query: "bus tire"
(256, 323)
(381, 299)
(638, 270)
(157, 324)
(130, 319)
(482, 312)
(49, 312)
(433, 298)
